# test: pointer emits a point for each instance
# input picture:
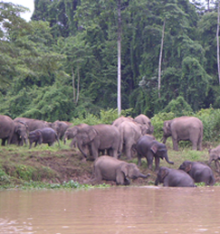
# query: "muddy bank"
(19, 165)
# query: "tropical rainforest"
(63, 63)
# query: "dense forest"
(63, 63)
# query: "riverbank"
(54, 165)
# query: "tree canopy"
(63, 63)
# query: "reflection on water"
(114, 210)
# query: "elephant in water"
(112, 169)
(214, 155)
(184, 128)
(199, 172)
(174, 178)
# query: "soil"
(60, 166)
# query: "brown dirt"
(66, 165)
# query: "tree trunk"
(73, 85)
(217, 38)
(160, 59)
(78, 83)
(119, 58)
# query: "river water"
(113, 210)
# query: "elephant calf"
(44, 135)
(199, 172)
(112, 169)
(148, 147)
(214, 155)
(174, 178)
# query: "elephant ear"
(163, 173)
(188, 167)
(154, 148)
(92, 133)
(125, 168)
(121, 173)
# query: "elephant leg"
(175, 144)
(139, 160)
(150, 162)
(194, 144)
(94, 151)
(157, 163)
(217, 165)
(3, 141)
(128, 151)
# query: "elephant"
(43, 135)
(60, 127)
(71, 132)
(199, 172)
(214, 155)
(99, 137)
(121, 119)
(145, 121)
(33, 124)
(130, 132)
(8, 129)
(20, 135)
(182, 129)
(112, 169)
(174, 178)
(148, 147)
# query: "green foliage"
(104, 117)
(63, 63)
(179, 107)
(211, 123)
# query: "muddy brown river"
(113, 210)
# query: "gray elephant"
(99, 137)
(174, 178)
(121, 119)
(33, 124)
(184, 128)
(43, 135)
(130, 132)
(71, 132)
(6, 129)
(145, 121)
(21, 132)
(60, 127)
(199, 172)
(214, 155)
(149, 148)
(112, 169)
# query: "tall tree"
(217, 39)
(119, 57)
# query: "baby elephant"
(44, 135)
(199, 172)
(149, 148)
(112, 169)
(173, 178)
(214, 155)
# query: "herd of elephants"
(125, 135)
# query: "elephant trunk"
(64, 139)
(163, 139)
(210, 160)
(144, 176)
(81, 150)
(167, 159)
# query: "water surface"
(113, 210)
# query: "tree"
(217, 39)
